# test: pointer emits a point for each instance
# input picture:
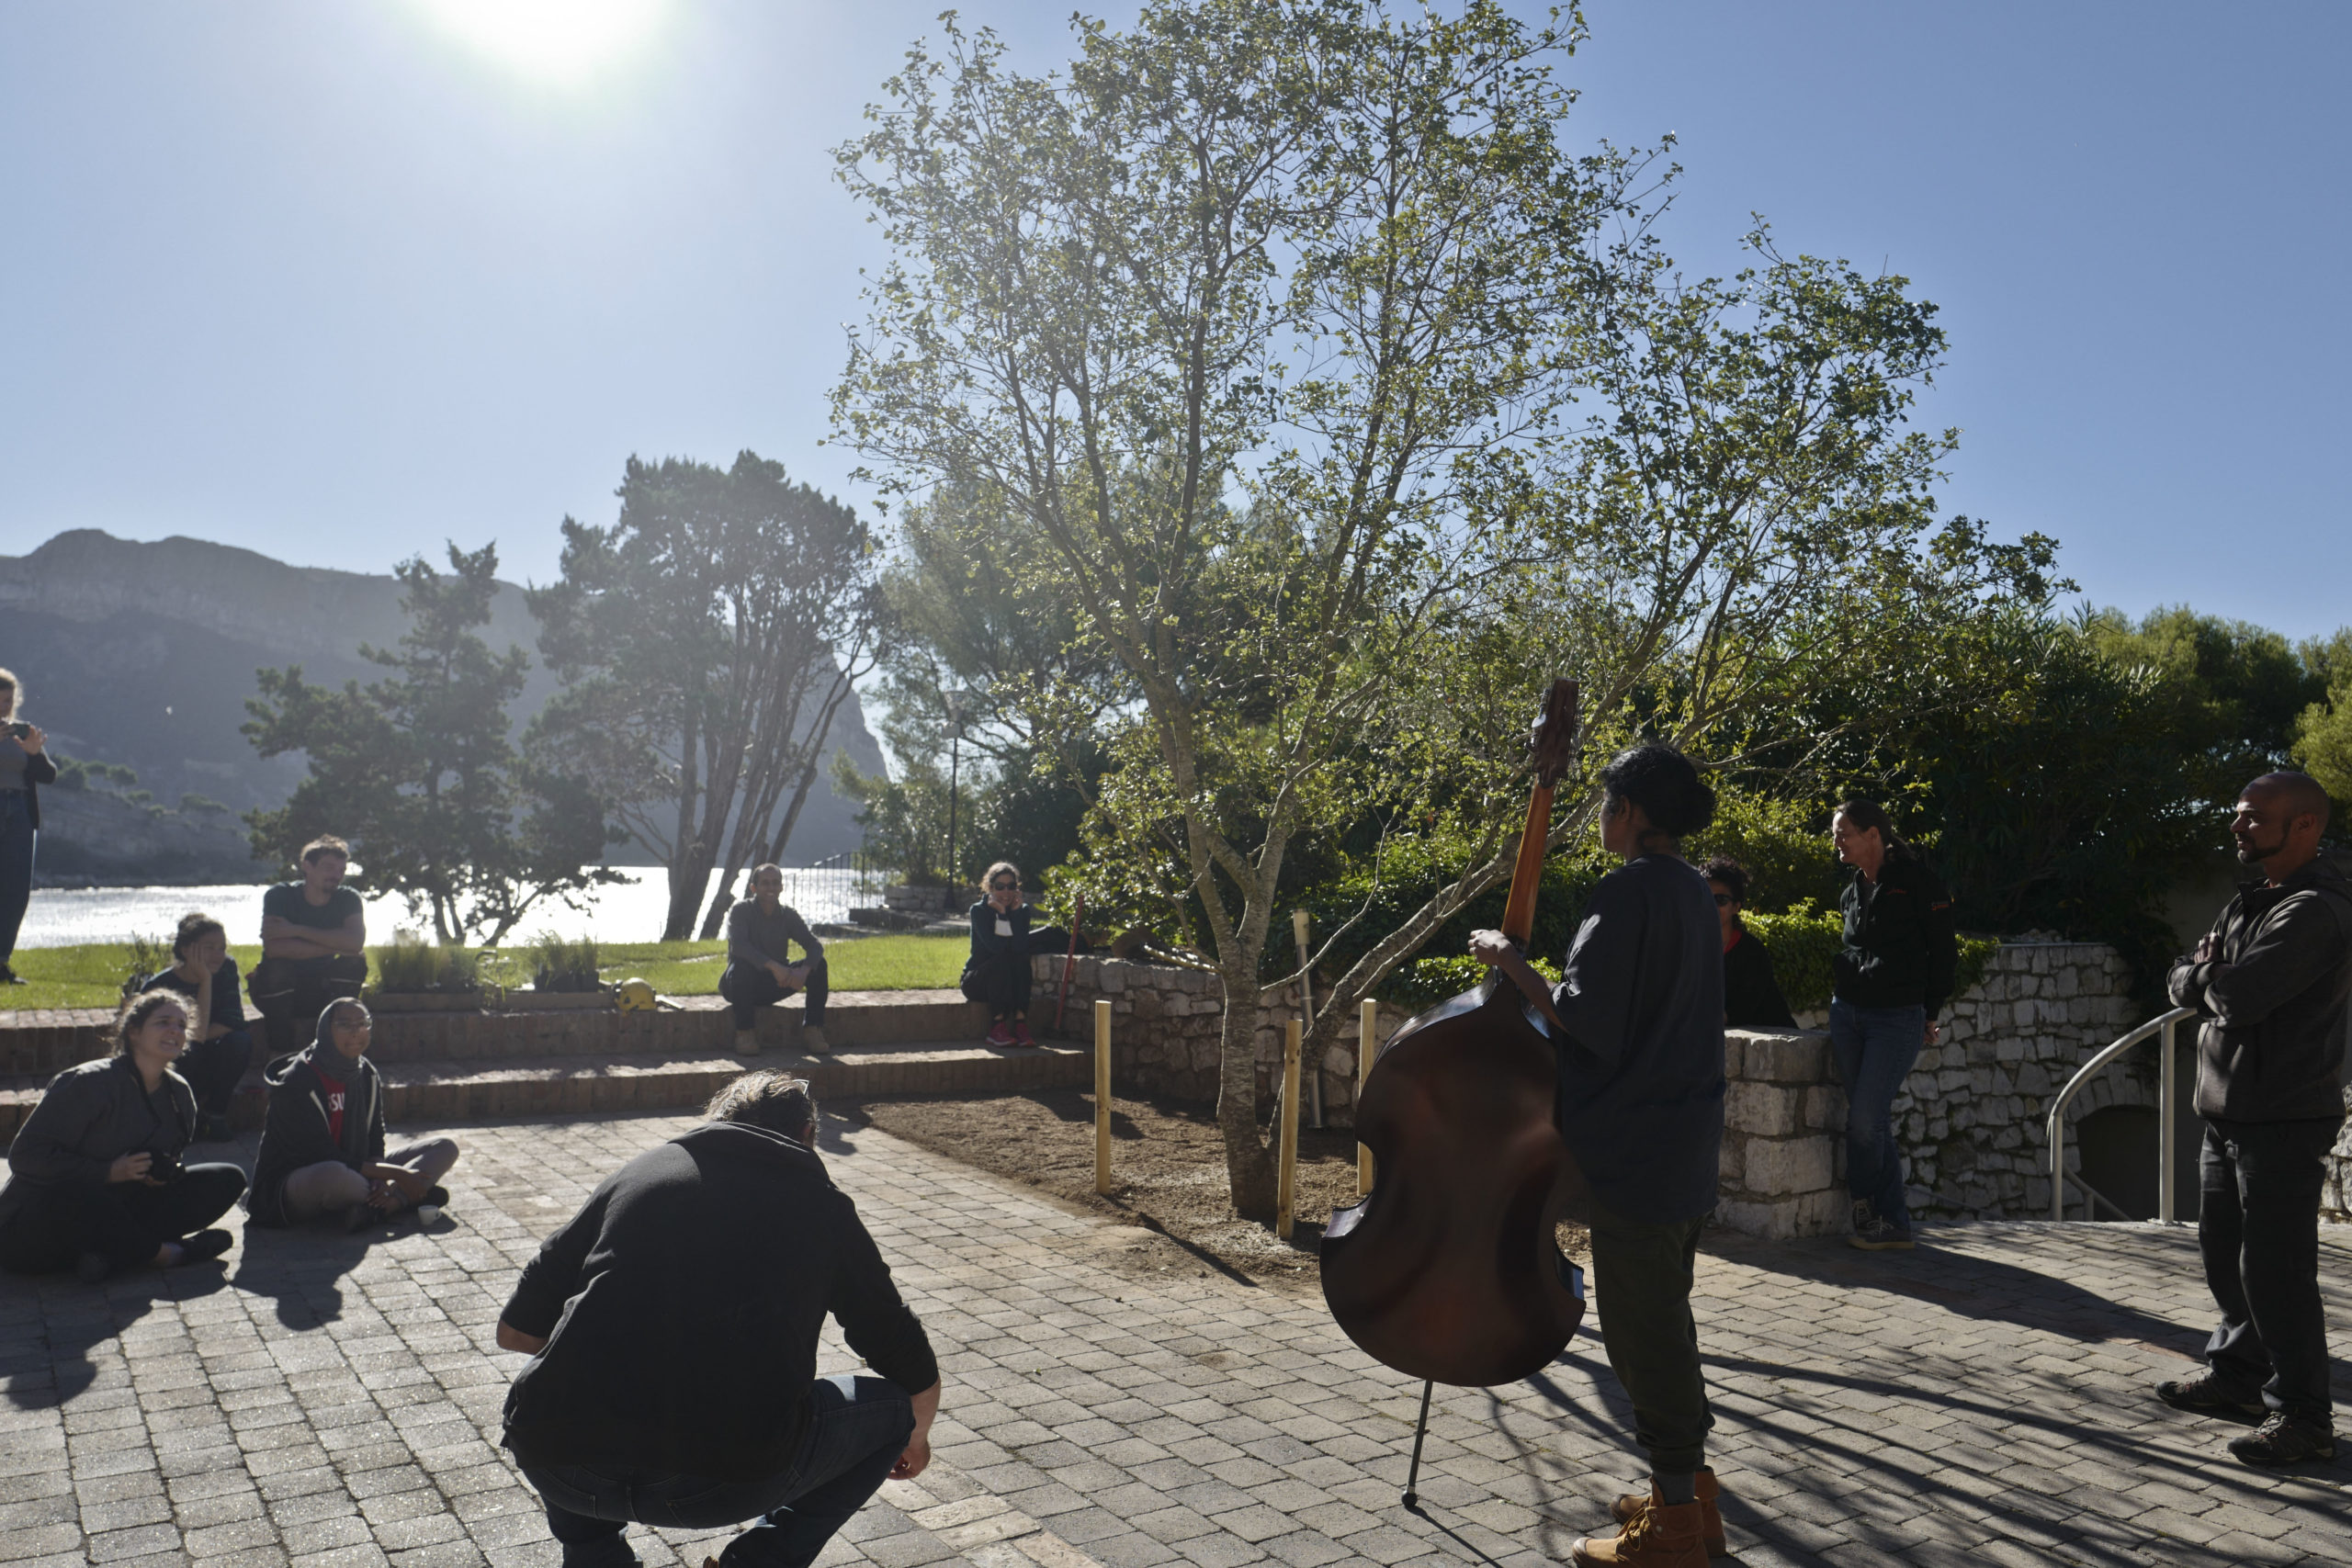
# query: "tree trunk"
(1248, 1166)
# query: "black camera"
(163, 1168)
(17, 728)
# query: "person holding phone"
(95, 1178)
(25, 766)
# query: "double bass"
(1448, 1271)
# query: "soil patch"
(1168, 1161)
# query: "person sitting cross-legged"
(323, 1146)
(760, 933)
(95, 1180)
(219, 1043)
(673, 1328)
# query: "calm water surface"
(630, 910)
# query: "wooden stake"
(1366, 1029)
(1286, 1181)
(1103, 1094)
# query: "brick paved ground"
(1113, 1400)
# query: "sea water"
(627, 911)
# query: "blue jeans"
(1874, 1049)
(858, 1428)
(16, 864)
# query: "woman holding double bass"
(1638, 1020)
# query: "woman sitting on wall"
(95, 1178)
(24, 768)
(1752, 998)
(1003, 944)
(322, 1147)
(219, 1043)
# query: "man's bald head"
(2295, 795)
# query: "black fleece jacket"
(1900, 950)
(94, 1113)
(681, 1307)
(295, 1134)
(2273, 998)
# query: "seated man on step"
(313, 945)
(672, 1325)
(323, 1146)
(758, 933)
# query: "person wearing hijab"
(322, 1146)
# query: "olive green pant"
(1641, 1278)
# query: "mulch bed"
(1168, 1161)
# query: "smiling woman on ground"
(95, 1178)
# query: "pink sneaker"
(1021, 1035)
(1001, 1033)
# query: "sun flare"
(554, 40)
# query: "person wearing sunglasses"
(1752, 998)
(998, 972)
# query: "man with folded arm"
(2271, 983)
(672, 1325)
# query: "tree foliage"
(1336, 406)
(707, 640)
(417, 770)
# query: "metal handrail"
(2167, 1024)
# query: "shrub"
(412, 966)
(149, 955)
(1803, 943)
(560, 965)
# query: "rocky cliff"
(144, 654)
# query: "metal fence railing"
(2167, 1112)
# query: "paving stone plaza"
(332, 1403)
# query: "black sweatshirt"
(1752, 998)
(681, 1307)
(1900, 950)
(1641, 1090)
(296, 1135)
(2273, 1000)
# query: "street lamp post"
(954, 701)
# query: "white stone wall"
(1165, 1023)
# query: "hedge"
(1803, 943)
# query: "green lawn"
(92, 976)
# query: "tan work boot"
(1711, 1521)
(813, 1040)
(1660, 1535)
(747, 1043)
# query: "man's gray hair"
(777, 1101)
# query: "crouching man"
(673, 1328)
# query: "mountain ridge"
(142, 653)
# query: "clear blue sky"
(334, 282)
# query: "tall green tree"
(707, 640)
(1267, 326)
(417, 770)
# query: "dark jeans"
(2258, 1225)
(290, 993)
(124, 1221)
(857, 1429)
(15, 863)
(213, 1067)
(1874, 1049)
(1001, 982)
(751, 988)
(1642, 1274)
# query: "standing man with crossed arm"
(2271, 982)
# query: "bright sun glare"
(555, 40)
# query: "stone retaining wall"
(1970, 1117)
(1166, 1023)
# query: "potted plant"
(413, 975)
(563, 975)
